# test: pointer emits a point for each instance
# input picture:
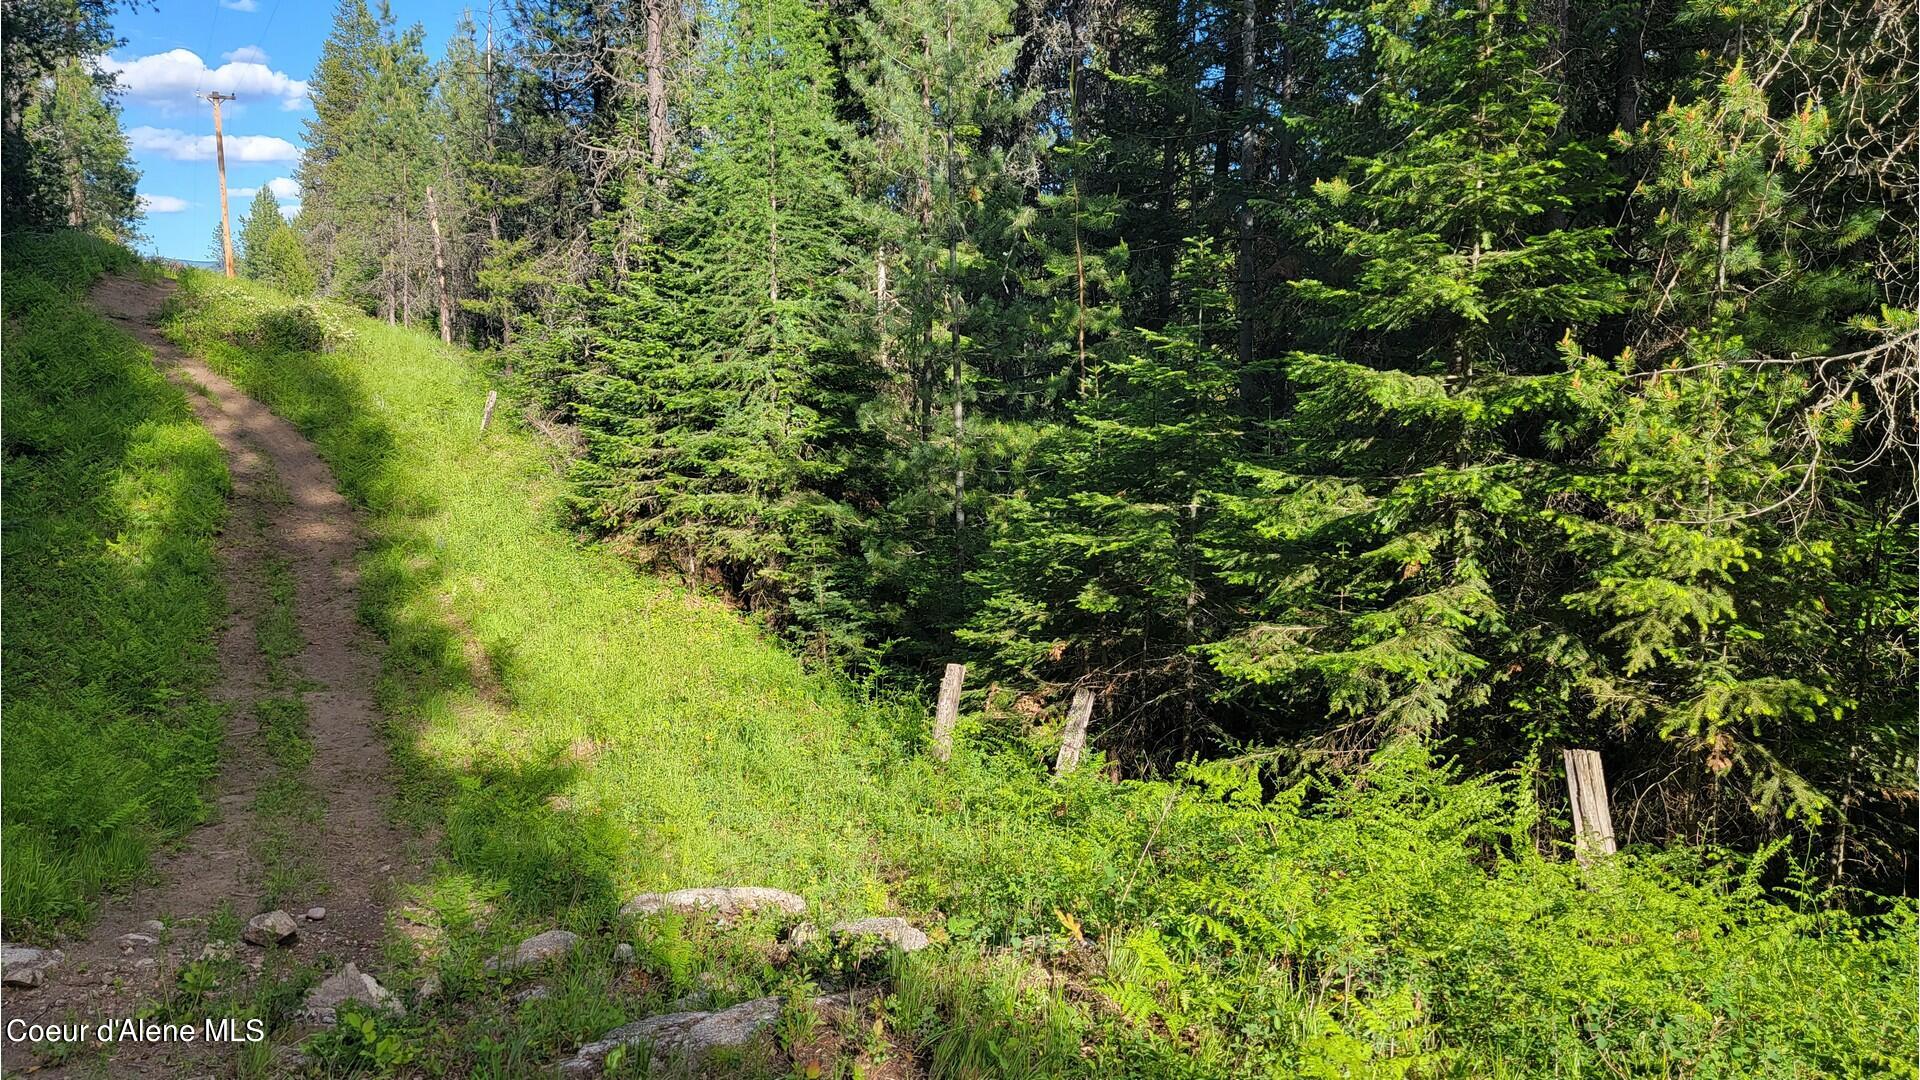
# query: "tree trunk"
(1246, 272)
(440, 269)
(656, 58)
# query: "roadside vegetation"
(111, 597)
(578, 732)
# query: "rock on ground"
(693, 1035)
(315, 914)
(736, 900)
(132, 941)
(24, 965)
(271, 928)
(537, 949)
(348, 984)
(893, 930)
(688, 1034)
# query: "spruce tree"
(750, 390)
(1394, 541)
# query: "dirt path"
(287, 524)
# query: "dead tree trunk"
(1073, 741)
(440, 269)
(948, 711)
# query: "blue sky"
(261, 50)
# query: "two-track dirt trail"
(287, 524)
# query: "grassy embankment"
(579, 732)
(113, 494)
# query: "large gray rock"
(726, 902)
(270, 928)
(348, 984)
(893, 930)
(681, 1035)
(536, 950)
(24, 965)
(691, 1036)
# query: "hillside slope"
(113, 497)
(577, 732)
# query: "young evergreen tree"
(1100, 570)
(751, 388)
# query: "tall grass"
(112, 497)
(579, 731)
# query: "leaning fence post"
(948, 710)
(1592, 819)
(1074, 741)
(486, 415)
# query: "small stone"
(893, 930)
(217, 950)
(347, 984)
(537, 949)
(146, 963)
(154, 927)
(271, 928)
(802, 935)
(129, 942)
(623, 953)
(315, 914)
(428, 989)
(725, 902)
(24, 965)
(531, 993)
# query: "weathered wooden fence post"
(1592, 818)
(486, 416)
(948, 710)
(1074, 741)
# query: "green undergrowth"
(578, 732)
(113, 496)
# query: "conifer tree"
(751, 386)
(1101, 571)
(1412, 479)
(81, 162)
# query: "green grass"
(113, 495)
(577, 732)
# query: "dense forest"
(1362, 403)
(1298, 375)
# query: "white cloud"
(162, 204)
(171, 78)
(246, 54)
(290, 210)
(240, 5)
(181, 146)
(283, 188)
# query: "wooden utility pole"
(220, 155)
(948, 711)
(1074, 742)
(1592, 818)
(440, 268)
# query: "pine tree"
(81, 161)
(262, 221)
